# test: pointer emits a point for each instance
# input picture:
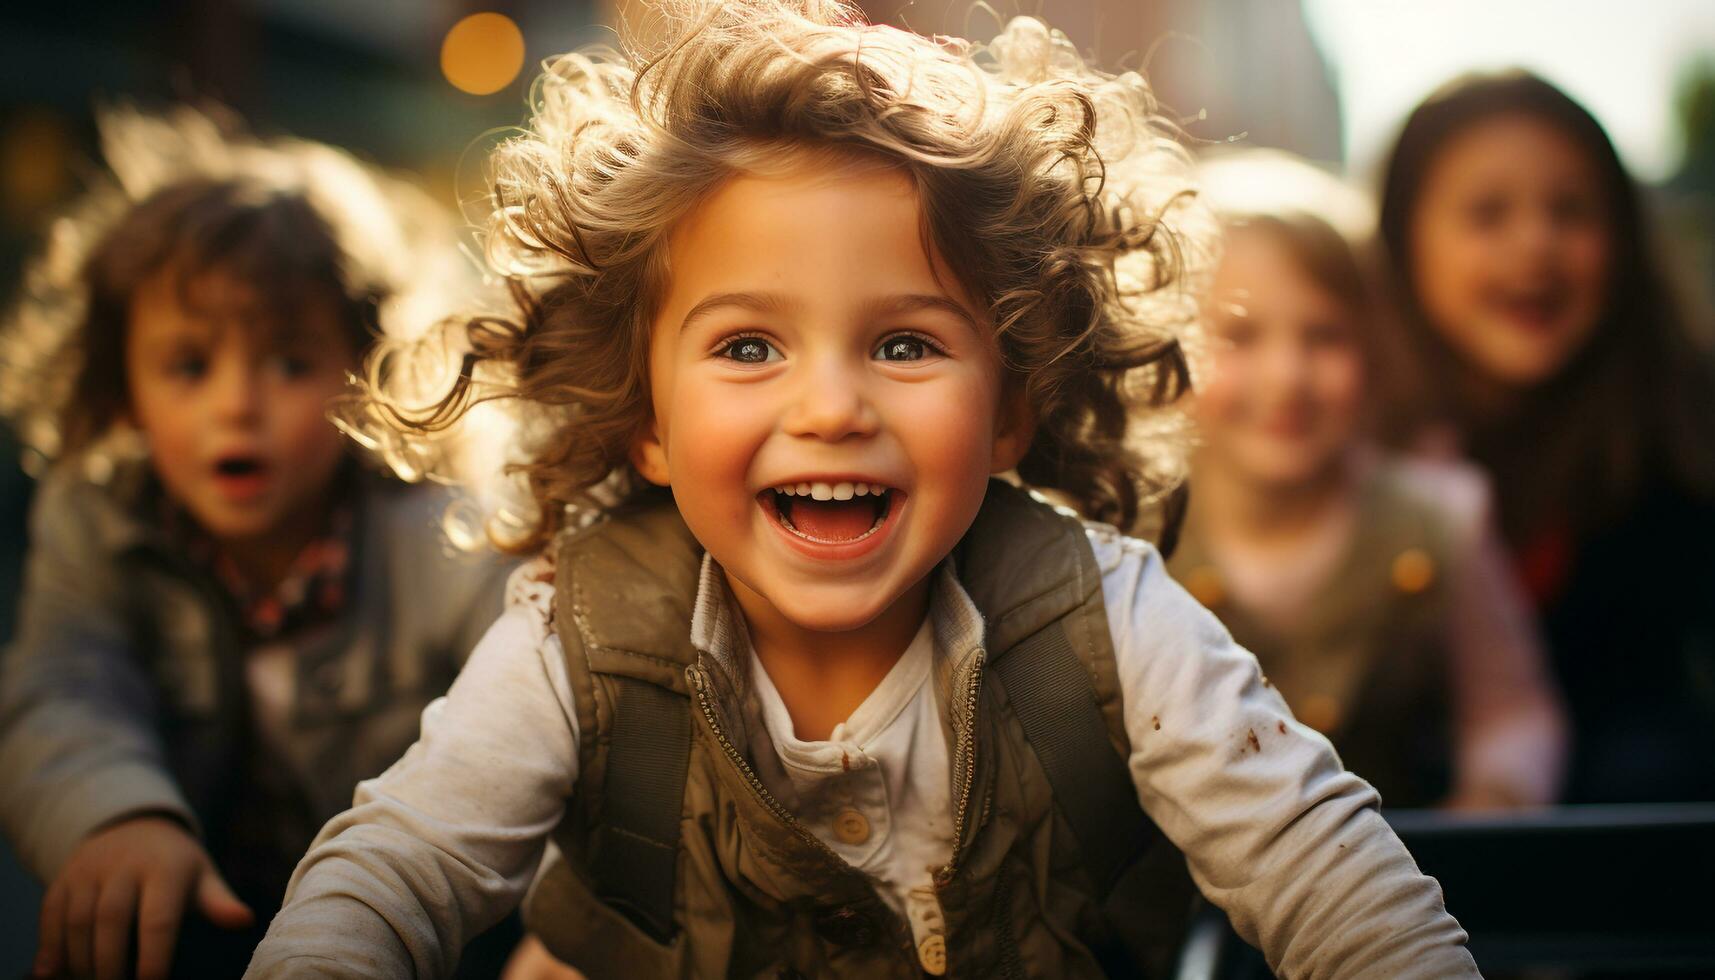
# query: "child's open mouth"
(1533, 309)
(831, 513)
(241, 476)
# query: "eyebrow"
(913, 302)
(174, 336)
(757, 302)
(874, 309)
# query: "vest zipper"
(700, 682)
(964, 763)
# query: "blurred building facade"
(1241, 70)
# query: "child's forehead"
(798, 196)
(768, 174)
(206, 306)
(779, 230)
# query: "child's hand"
(532, 961)
(138, 872)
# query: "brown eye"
(188, 367)
(750, 350)
(1486, 213)
(291, 366)
(903, 347)
(1239, 331)
(1325, 336)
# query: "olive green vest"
(751, 892)
(1366, 662)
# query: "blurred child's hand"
(532, 961)
(139, 872)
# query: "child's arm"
(1277, 833)
(445, 842)
(85, 793)
(79, 747)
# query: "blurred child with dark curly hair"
(227, 621)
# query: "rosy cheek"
(172, 437)
(1340, 388)
(1589, 262)
(1220, 394)
(1459, 271)
(171, 444)
(715, 431)
(948, 429)
(702, 453)
(960, 444)
(303, 419)
(166, 423)
(1447, 261)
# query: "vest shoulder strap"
(636, 854)
(1062, 684)
(1050, 692)
(623, 593)
(1053, 656)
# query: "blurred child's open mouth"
(240, 476)
(831, 513)
(1532, 309)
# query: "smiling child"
(777, 727)
(1551, 347)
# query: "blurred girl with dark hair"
(1371, 587)
(1549, 347)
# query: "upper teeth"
(830, 491)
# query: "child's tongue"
(833, 520)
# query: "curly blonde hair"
(1055, 193)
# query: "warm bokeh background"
(1327, 79)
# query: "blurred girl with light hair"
(1371, 587)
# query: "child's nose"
(831, 403)
(1536, 231)
(235, 391)
(1286, 364)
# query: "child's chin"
(234, 524)
(833, 613)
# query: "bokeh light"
(483, 53)
(35, 165)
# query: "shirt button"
(1413, 571)
(851, 827)
(932, 954)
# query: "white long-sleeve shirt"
(1276, 832)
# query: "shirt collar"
(717, 629)
(718, 632)
(316, 585)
